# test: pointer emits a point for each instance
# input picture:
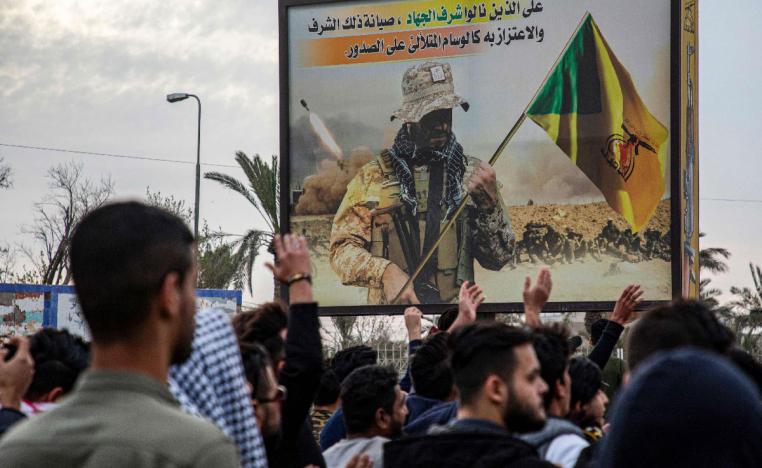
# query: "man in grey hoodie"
(560, 441)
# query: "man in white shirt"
(374, 412)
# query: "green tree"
(261, 189)
(216, 258)
(713, 260)
(747, 308)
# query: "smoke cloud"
(324, 191)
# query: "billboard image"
(430, 143)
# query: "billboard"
(427, 143)
(26, 308)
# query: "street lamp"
(175, 97)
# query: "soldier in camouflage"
(395, 206)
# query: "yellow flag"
(589, 106)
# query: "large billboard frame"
(683, 171)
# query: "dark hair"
(255, 359)
(59, 358)
(552, 347)
(329, 390)
(748, 365)
(430, 368)
(586, 380)
(480, 350)
(681, 323)
(363, 392)
(120, 255)
(263, 325)
(447, 318)
(349, 359)
(596, 330)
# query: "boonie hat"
(427, 87)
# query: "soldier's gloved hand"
(483, 186)
(393, 280)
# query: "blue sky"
(92, 76)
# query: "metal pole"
(198, 169)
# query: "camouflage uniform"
(363, 242)
(366, 236)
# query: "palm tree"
(713, 260)
(261, 189)
(748, 308)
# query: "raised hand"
(469, 299)
(625, 306)
(292, 257)
(15, 374)
(292, 265)
(535, 297)
(413, 318)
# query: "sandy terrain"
(581, 281)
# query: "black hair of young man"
(363, 392)
(680, 323)
(480, 350)
(329, 390)
(120, 255)
(59, 358)
(552, 347)
(586, 380)
(447, 318)
(430, 368)
(349, 359)
(264, 325)
(255, 359)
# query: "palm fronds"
(261, 190)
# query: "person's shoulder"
(566, 448)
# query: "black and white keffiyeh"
(211, 384)
(404, 154)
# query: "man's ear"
(169, 298)
(560, 388)
(383, 419)
(495, 389)
(52, 395)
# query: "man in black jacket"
(500, 392)
(303, 365)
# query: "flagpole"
(495, 156)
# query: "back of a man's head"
(365, 391)
(349, 359)
(430, 368)
(447, 318)
(681, 323)
(329, 390)
(121, 254)
(552, 347)
(264, 325)
(480, 350)
(689, 408)
(59, 358)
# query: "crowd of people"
(161, 385)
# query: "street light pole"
(175, 97)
